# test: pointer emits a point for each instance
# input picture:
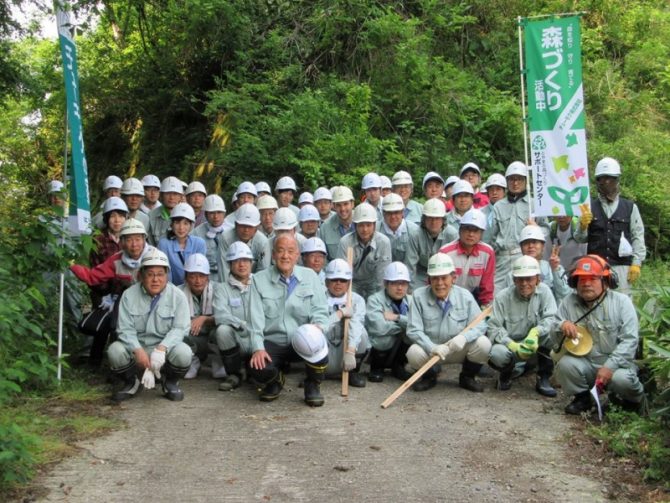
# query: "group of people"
(271, 283)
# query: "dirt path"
(446, 444)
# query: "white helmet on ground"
(114, 204)
(286, 183)
(267, 203)
(525, 267)
(371, 181)
(496, 180)
(214, 202)
(195, 187)
(402, 178)
(182, 210)
(112, 182)
(310, 343)
(238, 250)
(313, 245)
(462, 187)
(342, 194)
(172, 184)
(517, 168)
(155, 257)
(263, 187)
(364, 212)
(434, 208)
(322, 193)
(471, 166)
(475, 218)
(132, 187)
(247, 188)
(306, 197)
(284, 220)
(440, 264)
(132, 226)
(308, 213)
(396, 271)
(386, 182)
(248, 214)
(392, 202)
(608, 167)
(197, 263)
(151, 181)
(338, 269)
(532, 232)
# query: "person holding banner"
(613, 227)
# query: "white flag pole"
(524, 118)
(62, 274)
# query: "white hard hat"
(308, 213)
(195, 187)
(238, 250)
(364, 212)
(462, 187)
(475, 218)
(132, 226)
(57, 186)
(132, 187)
(396, 271)
(338, 269)
(112, 182)
(386, 182)
(151, 181)
(342, 194)
(434, 208)
(284, 220)
(155, 257)
(517, 168)
(402, 178)
(313, 245)
(247, 188)
(496, 180)
(432, 175)
(472, 166)
(450, 181)
(214, 202)
(525, 266)
(234, 198)
(114, 204)
(306, 197)
(183, 210)
(184, 185)
(392, 202)
(286, 183)
(531, 232)
(263, 187)
(309, 343)
(440, 264)
(608, 167)
(248, 214)
(322, 193)
(371, 181)
(197, 263)
(172, 184)
(266, 203)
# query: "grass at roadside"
(40, 429)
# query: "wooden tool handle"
(345, 336)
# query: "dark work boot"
(377, 361)
(467, 378)
(356, 379)
(314, 375)
(427, 381)
(131, 384)
(545, 367)
(270, 392)
(232, 362)
(505, 377)
(580, 403)
(171, 387)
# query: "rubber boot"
(545, 367)
(356, 379)
(97, 350)
(377, 362)
(427, 381)
(580, 403)
(505, 377)
(467, 378)
(314, 375)
(131, 383)
(171, 388)
(232, 362)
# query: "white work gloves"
(347, 312)
(457, 344)
(348, 361)
(441, 350)
(148, 380)
(157, 361)
(107, 302)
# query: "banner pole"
(66, 181)
(524, 118)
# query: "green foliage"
(17, 458)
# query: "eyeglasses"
(155, 275)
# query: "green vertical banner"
(80, 206)
(556, 115)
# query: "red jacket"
(475, 272)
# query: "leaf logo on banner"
(568, 198)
